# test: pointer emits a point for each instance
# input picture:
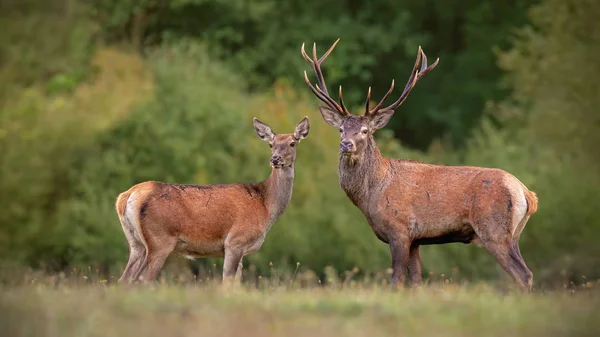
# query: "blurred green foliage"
(44, 42)
(379, 40)
(83, 118)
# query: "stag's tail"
(532, 201)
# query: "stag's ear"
(332, 118)
(263, 130)
(302, 129)
(381, 119)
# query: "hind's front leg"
(232, 262)
(238, 273)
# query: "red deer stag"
(409, 203)
(194, 221)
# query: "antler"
(415, 75)
(321, 90)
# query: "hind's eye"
(292, 144)
(270, 145)
(341, 130)
(364, 131)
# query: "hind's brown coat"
(221, 220)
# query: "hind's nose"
(275, 160)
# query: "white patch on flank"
(132, 213)
(519, 203)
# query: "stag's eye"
(292, 144)
(365, 131)
(341, 130)
(270, 145)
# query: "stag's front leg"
(400, 255)
(414, 266)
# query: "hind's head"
(283, 146)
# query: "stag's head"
(355, 131)
(283, 146)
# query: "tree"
(261, 40)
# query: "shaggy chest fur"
(364, 182)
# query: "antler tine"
(312, 87)
(409, 86)
(368, 99)
(317, 66)
(424, 68)
(316, 62)
(415, 75)
(378, 106)
(331, 101)
(308, 59)
(329, 51)
(321, 90)
(342, 101)
(321, 95)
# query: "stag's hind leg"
(497, 216)
(517, 250)
(517, 234)
(501, 245)
(512, 263)
(526, 273)
(518, 221)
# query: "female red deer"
(409, 204)
(229, 220)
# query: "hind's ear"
(263, 131)
(302, 129)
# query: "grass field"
(99, 309)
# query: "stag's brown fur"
(195, 221)
(409, 204)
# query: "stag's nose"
(275, 160)
(346, 145)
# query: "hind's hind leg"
(136, 256)
(137, 251)
(159, 247)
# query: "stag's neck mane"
(277, 190)
(360, 176)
